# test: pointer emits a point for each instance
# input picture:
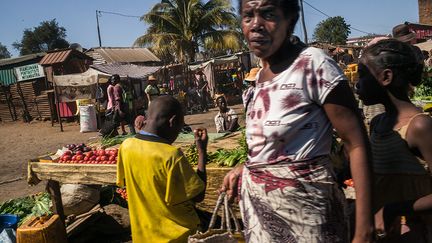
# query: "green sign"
(27, 72)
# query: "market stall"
(75, 87)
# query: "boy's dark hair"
(401, 58)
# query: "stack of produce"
(222, 157)
(34, 205)
(349, 183)
(122, 192)
(100, 156)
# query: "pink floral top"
(286, 120)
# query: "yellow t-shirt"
(160, 185)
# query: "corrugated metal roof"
(124, 70)
(60, 56)
(14, 60)
(125, 54)
(7, 77)
(55, 57)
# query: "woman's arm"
(419, 135)
(341, 109)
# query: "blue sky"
(79, 18)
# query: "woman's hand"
(230, 182)
(364, 239)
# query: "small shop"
(24, 92)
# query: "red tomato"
(89, 154)
(103, 157)
(86, 158)
(73, 157)
(68, 161)
(67, 152)
(112, 158)
(98, 158)
(81, 162)
(79, 152)
(93, 157)
(101, 152)
(79, 157)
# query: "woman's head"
(267, 24)
(388, 66)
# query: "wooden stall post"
(53, 187)
(57, 103)
(99, 122)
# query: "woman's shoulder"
(316, 55)
(420, 124)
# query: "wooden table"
(54, 173)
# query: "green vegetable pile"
(424, 90)
(222, 157)
(26, 207)
(191, 154)
(108, 142)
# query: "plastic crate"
(8, 221)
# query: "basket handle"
(226, 215)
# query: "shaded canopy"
(127, 70)
(89, 77)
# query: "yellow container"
(353, 67)
(348, 74)
(354, 77)
(42, 230)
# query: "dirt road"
(20, 142)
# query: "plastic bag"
(8, 235)
(88, 121)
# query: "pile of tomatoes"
(122, 192)
(100, 156)
(349, 183)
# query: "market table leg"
(53, 187)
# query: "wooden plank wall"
(38, 106)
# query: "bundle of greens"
(108, 142)
(222, 157)
(26, 207)
(191, 154)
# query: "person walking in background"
(162, 186)
(152, 91)
(250, 79)
(401, 137)
(110, 93)
(121, 108)
(202, 86)
(288, 192)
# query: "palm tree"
(181, 28)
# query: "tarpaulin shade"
(73, 87)
(89, 77)
(127, 70)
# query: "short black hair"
(289, 7)
(114, 78)
(165, 106)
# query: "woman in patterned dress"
(287, 188)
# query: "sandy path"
(20, 142)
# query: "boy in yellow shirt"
(162, 186)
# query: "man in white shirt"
(226, 119)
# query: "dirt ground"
(20, 142)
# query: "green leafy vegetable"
(26, 207)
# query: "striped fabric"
(391, 154)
